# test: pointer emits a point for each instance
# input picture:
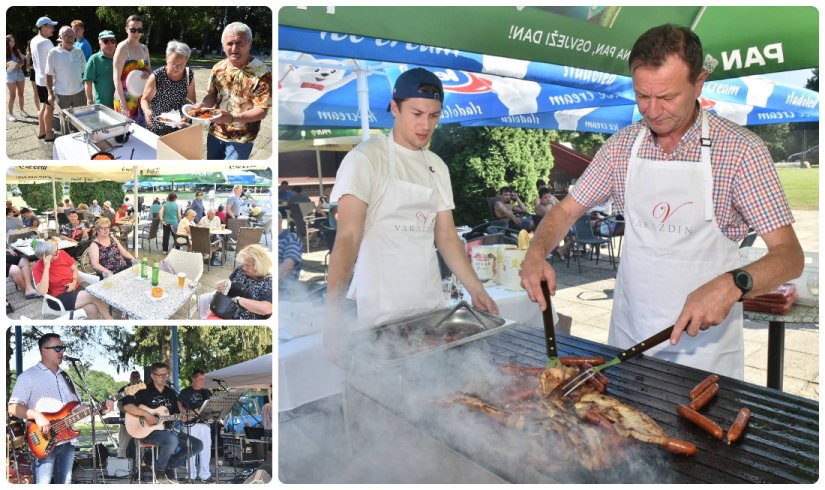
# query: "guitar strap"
(69, 383)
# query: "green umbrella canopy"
(744, 40)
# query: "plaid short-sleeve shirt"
(746, 188)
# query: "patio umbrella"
(742, 40)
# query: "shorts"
(73, 100)
(67, 299)
(15, 76)
(43, 94)
(10, 261)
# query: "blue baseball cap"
(43, 21)
(408, 85)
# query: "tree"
(105, 190)
(100, 384)
(482, 160)
(37, 196)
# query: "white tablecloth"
(516, 306)
(143, 141)
(304, 372)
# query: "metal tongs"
(570, 385)
(549, 329)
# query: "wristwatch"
(743, 280)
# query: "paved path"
(588, 299)
(22, 142)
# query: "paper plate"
(135, 82)
(173, 118)
(204, 120)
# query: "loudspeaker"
(261, 474)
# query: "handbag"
(223, 306)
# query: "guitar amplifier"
(239, 450)
(118, 466)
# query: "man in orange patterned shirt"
(241, 87)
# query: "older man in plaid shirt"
(290, 250)
(689, 184)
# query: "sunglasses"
(57, 348)
(135, 29)
(109, 41)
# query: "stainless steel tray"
(395, 343)
(98, 122)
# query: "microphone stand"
(95, 405)
(243, 409)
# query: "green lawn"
(801, 186)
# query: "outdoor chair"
(584, 236)
(150, 234)
(202, 245)
(180, 240)
(62, 219)
(246, 237)
(266, 226)
(234, 225)
(497, 238)
(303, 215)
(329, 237)
(190, 263)
(52, 307)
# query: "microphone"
(72, 359)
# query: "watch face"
(744, 280)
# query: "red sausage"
(700, 401)
(739, 425)
(593, 380)
(680, 447)
(703, 422)
(596, 418)
(602, 378)
(703, 386)
(573, 361)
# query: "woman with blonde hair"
(185, 222)
(107, 255)
(252, 281)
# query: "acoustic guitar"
(141, 427)
(41, 444)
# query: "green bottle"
(155, 273)
(34, 243)
(144, 267)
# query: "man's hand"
(482, 301)
(47, 260)
(225, 118)
(534, 270)
(42, 422)
(705, 307)
(51, 99)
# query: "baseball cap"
(105, 34)
(43, 21)
(408, 84)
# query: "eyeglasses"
(176, 67)
(57, 348)
(103, 228)
(159, 375)
(109, 41)
(135, 29)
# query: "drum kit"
(18, 463)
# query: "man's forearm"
(341, 265)
(89, 93)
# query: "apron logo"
(662, 211)
(422, 218)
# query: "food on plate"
(157, 292)
(696, 391)
(738, 426)
(706, 396)
(680, 447)
(572, 361)
(703, 422)
(202, 113)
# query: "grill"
(780, 444)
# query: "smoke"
(399, 422)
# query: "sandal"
(41, 136)
(49, 140)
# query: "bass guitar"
(41, 444)
(141, 427)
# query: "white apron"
(397, 272)
(673, 245)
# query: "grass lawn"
(801, 186)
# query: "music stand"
(218, 407)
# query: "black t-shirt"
(195, 398)
(153, 398)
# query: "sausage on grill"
(703, 385)
(697, 418)
(700, 401)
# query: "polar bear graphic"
(506, 81)
(568, 120)
(301, 85)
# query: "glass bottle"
(155, 273)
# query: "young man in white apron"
(394, 202)
(689, 184)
